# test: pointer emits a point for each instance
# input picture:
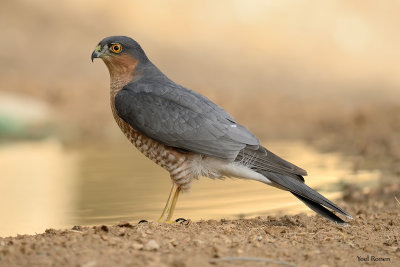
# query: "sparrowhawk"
(187, 134)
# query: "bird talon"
(143, 221)
(180, 220)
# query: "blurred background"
(317, 81)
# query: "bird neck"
(123, 70)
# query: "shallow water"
(44, 185)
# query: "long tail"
(318, 208)
(308, 196)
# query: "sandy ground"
(281, 241)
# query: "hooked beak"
(96, 53)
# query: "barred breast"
(177, 163)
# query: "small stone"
(270, 240)
(152, 245)
(259, 238)
(89, 264)
(216, 251)
(50, 231)
(126, 224)
(367, 248)
(77, 228)
(104, 228)
(174, 243)
(137, 246)
(198, 242)
(178, 263)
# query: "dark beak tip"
(94, 55)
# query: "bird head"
(120, 53)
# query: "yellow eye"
(116, 48)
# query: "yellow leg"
(174, 200)
(168, 211)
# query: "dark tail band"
(308, 196)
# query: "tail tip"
(348, 216)
(344, 224)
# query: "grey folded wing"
(262, 159)
(180, 118)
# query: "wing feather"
(183, 119)
(264, 160)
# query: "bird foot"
(181, 220)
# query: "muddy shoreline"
(300, 240)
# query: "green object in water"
(10, 126)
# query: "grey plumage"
(129, 46)
(261, 159)
(180, 118)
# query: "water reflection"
(38, 184)
(43, 185)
